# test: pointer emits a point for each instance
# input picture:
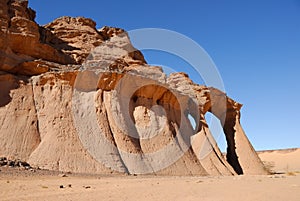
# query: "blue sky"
(254, 44)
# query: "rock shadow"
(47, 37)
(7, 83)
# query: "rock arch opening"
(192, 121)
(231, 155)
(216, 130)
(228, 132)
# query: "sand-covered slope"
(285, 160)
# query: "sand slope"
(285, 160)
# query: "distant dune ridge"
(78, 99)
(282, 160)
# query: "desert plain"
(283, 184)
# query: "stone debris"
(17, 163)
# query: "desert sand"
(16, 184)
(273, 187)
(281, 161)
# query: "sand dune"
(281, 161)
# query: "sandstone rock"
(74, 36)
(66, 40)
(88, 102)
(19, 134)
(20, 38)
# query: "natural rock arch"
(240, 153)
(42, 106)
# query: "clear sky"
(254, 44)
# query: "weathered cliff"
(78, 99)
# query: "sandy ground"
(48, 187)
(16, 184)
(275, 187)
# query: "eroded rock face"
(21, 40)
(93, 112)
(25, 46)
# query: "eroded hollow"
(155, 112)
(159, 114)
(158, 99)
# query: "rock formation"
(74, 98)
